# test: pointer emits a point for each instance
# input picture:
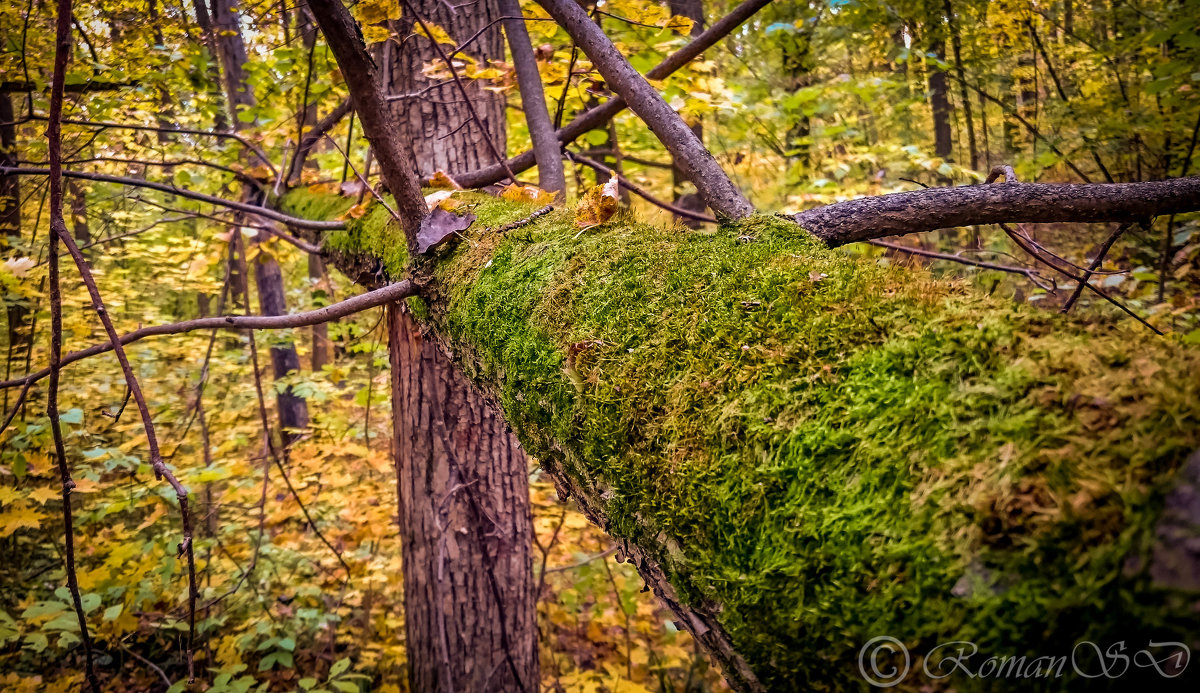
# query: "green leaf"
(596, 137)
(90, 601)
(72, 416)
(343, 664)
(36, 641)
(267, 662)
(284, 657)
(288, 644)
(345, 686)
(113, 611)
(307, 682)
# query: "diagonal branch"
(598, 116)
(696, 162)
(334, 311)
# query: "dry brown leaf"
(597, 206)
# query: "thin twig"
(58, 229)
(1096, 262)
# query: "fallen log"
(802, 450)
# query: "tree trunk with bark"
(939, 88)
(964, 96)
(322, 348)
(268, 278)
(693, 10)
(231, 51)
(431, 116)
(465, 523)
(19, 339)
(546, 149)
(293, 411)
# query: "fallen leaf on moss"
(441, 179)
(597, 206)
(527, 193)
(439, 226)
(442, 199)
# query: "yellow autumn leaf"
(374, 34)
(376, 11)
(43, 494)
(526, 193)
(441, 179)
(19, 515)
(597, 206)
(436, 33)
(8, 495)
(681, 24)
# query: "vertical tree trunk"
(956, 42)
(321, 347)
(268, 278)
(546, 149)
(19, 339)
(434, 122)
(79, 220)
(465, 524)
(693, 10)
(231, 50)
(293, 411)
(939, 88)
(210, 42)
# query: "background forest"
(299, 568)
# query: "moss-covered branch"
(804, 449)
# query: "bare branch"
(639, 191)
(182, 192)
(58, 228)
(598, 116)
(939, 208)
(334, 311)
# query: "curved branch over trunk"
(596, 117)
(938, 208)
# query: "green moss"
(828, 450)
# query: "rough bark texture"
(293, 412)
(321, 347)
(465, 519)
(693, 10)
(231, 50)
(345, 41)
(596, 117)
(546, 150)
(433, 120)
(941, 208)
(701, 168)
